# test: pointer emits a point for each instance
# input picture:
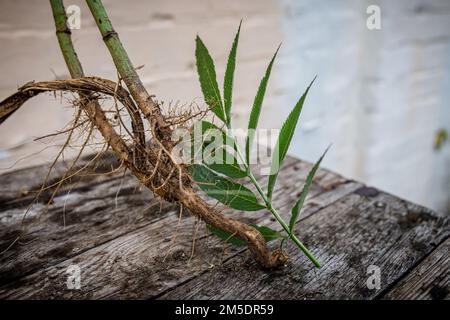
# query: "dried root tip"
(267, 259)
(278, 259)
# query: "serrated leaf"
(284, 140)
(268, 233)
(204, 127)
(230, 193)
(207, 77)
(220, 154)
(220, 160)
(299, 204)
(229, 75)
(229, 166)
(201, 134)
(226, 236)
(256, 109)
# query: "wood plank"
(62, 231)
(361, 229)
(133, 265)
(429, 280)
(18, 188)
(107, 204)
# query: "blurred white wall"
(380, 95)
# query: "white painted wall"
(379, 97)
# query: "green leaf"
(256, 109)
(230, 193)
(202, 128)
(284, 140)
(201, 134)
(298, 206)
(226, 236)
(267, 233)
(229, 75)
(208, 81)
(229, 166)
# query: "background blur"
(380, 98)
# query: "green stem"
(112, 41)
(144, 101)
(65, 41)
(280, 220)
(92, 108)
(120, 57)
(269, 206)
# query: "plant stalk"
(63, 34)
(277, 216)
(90, 106)
(124, 66)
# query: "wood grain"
(130, 245)
(134, 264)
(430, 280)
(347, 237)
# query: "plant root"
(151, 162)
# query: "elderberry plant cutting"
(149, 153)
(223, 164)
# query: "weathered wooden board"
(347, 236)
(130, 245)
(107, 208)
(60, 231)
(18, 187)
(146, 248)
(430, 280)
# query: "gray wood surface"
(430, 280)
(130, 245)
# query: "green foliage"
(207, 77)
(216, 178)
(226, 236)
(203, 130)
(256, 109)
(228, 192)
(284, 140)
(299, 204)
(229, 75)
(228, 166)
(202, 134)
(268, 233)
